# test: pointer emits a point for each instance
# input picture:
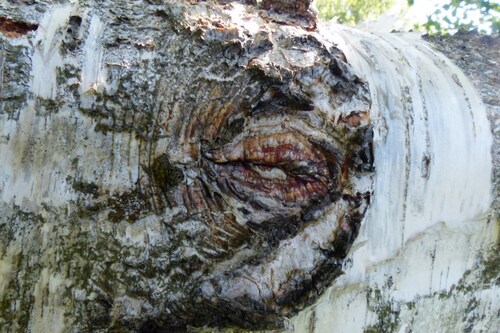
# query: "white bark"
(420, 261)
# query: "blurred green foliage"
(458, 15)
(352, 11)
(483, 15)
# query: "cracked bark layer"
(254, 166)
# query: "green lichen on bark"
(387, 312)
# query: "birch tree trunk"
(181, 166)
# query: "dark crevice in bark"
(14, 29)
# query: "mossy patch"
(128, 206)
(387, 315)
(87, 188)
(491, 270)
(165, 175)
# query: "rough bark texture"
(169, 165)
(197, 182)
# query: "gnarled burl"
(269, 171)
(255, 162)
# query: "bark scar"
(13, 29)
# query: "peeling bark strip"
(14, 29)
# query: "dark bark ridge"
(256, 163)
